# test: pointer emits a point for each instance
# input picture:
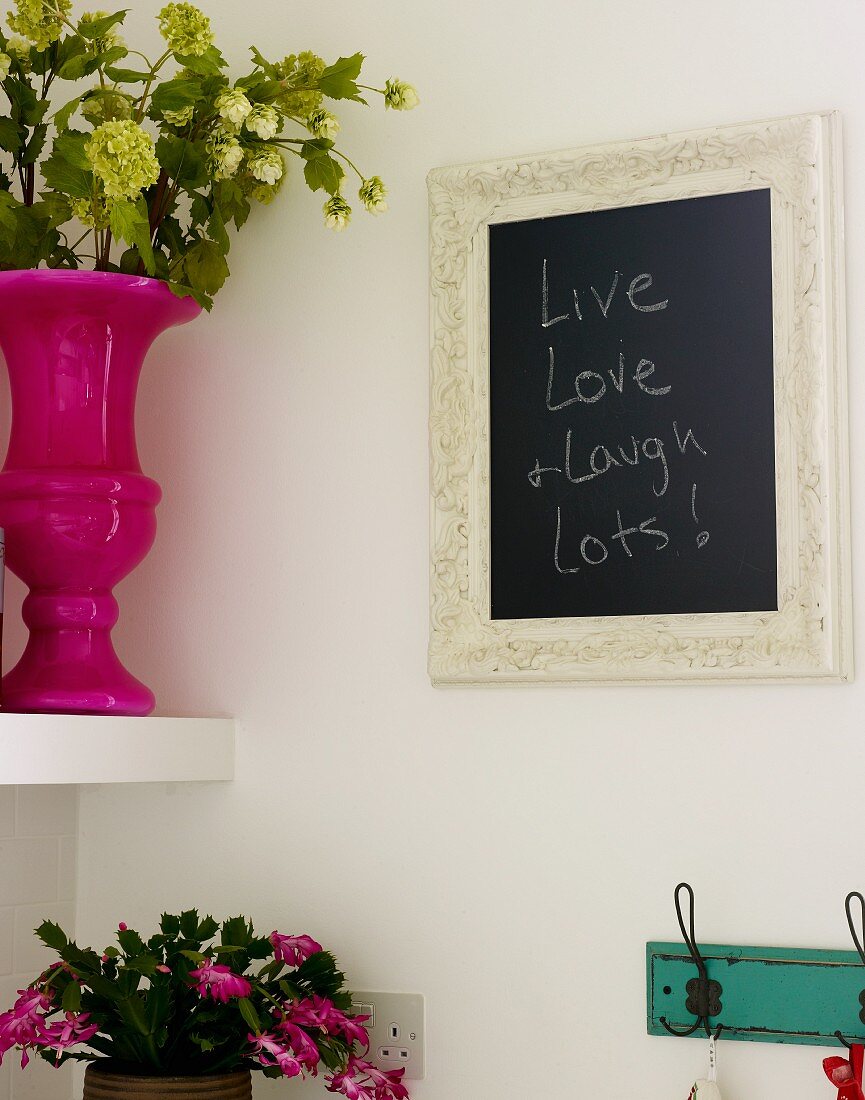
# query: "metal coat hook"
(704, 994)
(859, 943)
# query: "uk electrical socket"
(396, 1029)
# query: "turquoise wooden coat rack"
(756, 994)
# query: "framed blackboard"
(632, 418)
(638, 412)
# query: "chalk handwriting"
(590, 386)
(638, 285)
(594, 551)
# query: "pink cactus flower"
(321, 1012)
(72, 1030)
(349, 1086)
(302, 1046)
(22, 1024)
(218, 982)
(123, 926)
(267, 1050)
(293, 950)
(163, 969)
(361, 1080)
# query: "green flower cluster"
(162, 159)
(300, 73)
(400, 95)
(38, 21)
(372, 194)
(185, 29)
(123, 159)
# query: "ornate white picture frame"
(808, 637)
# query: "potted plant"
(192, 1010)
(122, 181)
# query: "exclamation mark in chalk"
(703, 536)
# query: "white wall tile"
(29, 954)
(7, 811)
(28, 870)
(7, 928)
(68, 867)
(47, 811)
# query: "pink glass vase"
(79, 514)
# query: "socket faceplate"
(396, 1029)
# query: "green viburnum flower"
(372, 193)
(268, 166)
(185, 29)
(233, 107)
(323, 124)
(337, 213)
(93, 214)
(301, 72)
(226, 154)
(263, 121)
(108, 41)
(400, 96)
(123, 158)
(106, 106)
(38, 21)
(5, 65)
(19, 50)
(180, 118)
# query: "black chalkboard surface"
(632, 467)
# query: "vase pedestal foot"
(69, 665)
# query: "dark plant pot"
(101, 1082)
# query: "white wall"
(505, 852)
(38, 827)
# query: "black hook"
(858, 941)
(703, 992)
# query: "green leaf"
(142, 964)
(133, 1012)
(84, 64)
(249, 1014)
(323, 174)
(51, 934)
(71, 1001)
(99, 27)
(216, 232)
(11, 135)
(316, 147)
(194, 956)
(207, 929)
(184, 164)
(236, 930)
(262, 62)
(128, 938)
(210, 63)
(130, 223)
(265, 91)
(232, 202)
(62, 117)
(126, 76)
(35, 145)
(189, 923)
(169, 924)
(174, 95)
(182, 290)
(338, 81)
(64, 176)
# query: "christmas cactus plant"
(199, 998)
(145, 170)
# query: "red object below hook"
(846, 1074)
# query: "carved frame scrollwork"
(809, 636)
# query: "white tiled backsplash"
(38, 830)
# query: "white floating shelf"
(80, 748)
